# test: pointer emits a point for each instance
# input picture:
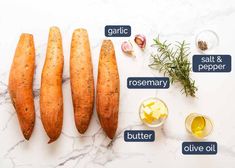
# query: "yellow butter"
(153, 110)
(147, 111)
(142, 116)
(156, 115)
(148, 103)
(155, 107)
(163, 112)
(160, 104)
(148, 119)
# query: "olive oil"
(198, 125)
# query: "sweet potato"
(108, 89)
(21, 83)
(81, 79)
(51, 96)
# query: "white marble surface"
(172, 20)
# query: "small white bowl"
(208, 36)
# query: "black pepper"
(202, 45)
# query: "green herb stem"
(174, 62)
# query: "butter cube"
(159, 104)
(148, 103)
(163, 112)
(148, 111)
(156, 115)
(148, 119)
(155, 107)
(142, 116)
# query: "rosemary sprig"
(174, 62)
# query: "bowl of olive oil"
(200, 126)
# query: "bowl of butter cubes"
(153, 112)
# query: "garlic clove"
(140, 40)
(127, 47)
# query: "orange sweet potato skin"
(51, 97)
(108, 89)
(81, 79)
(20, 84)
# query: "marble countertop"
(172, 20)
